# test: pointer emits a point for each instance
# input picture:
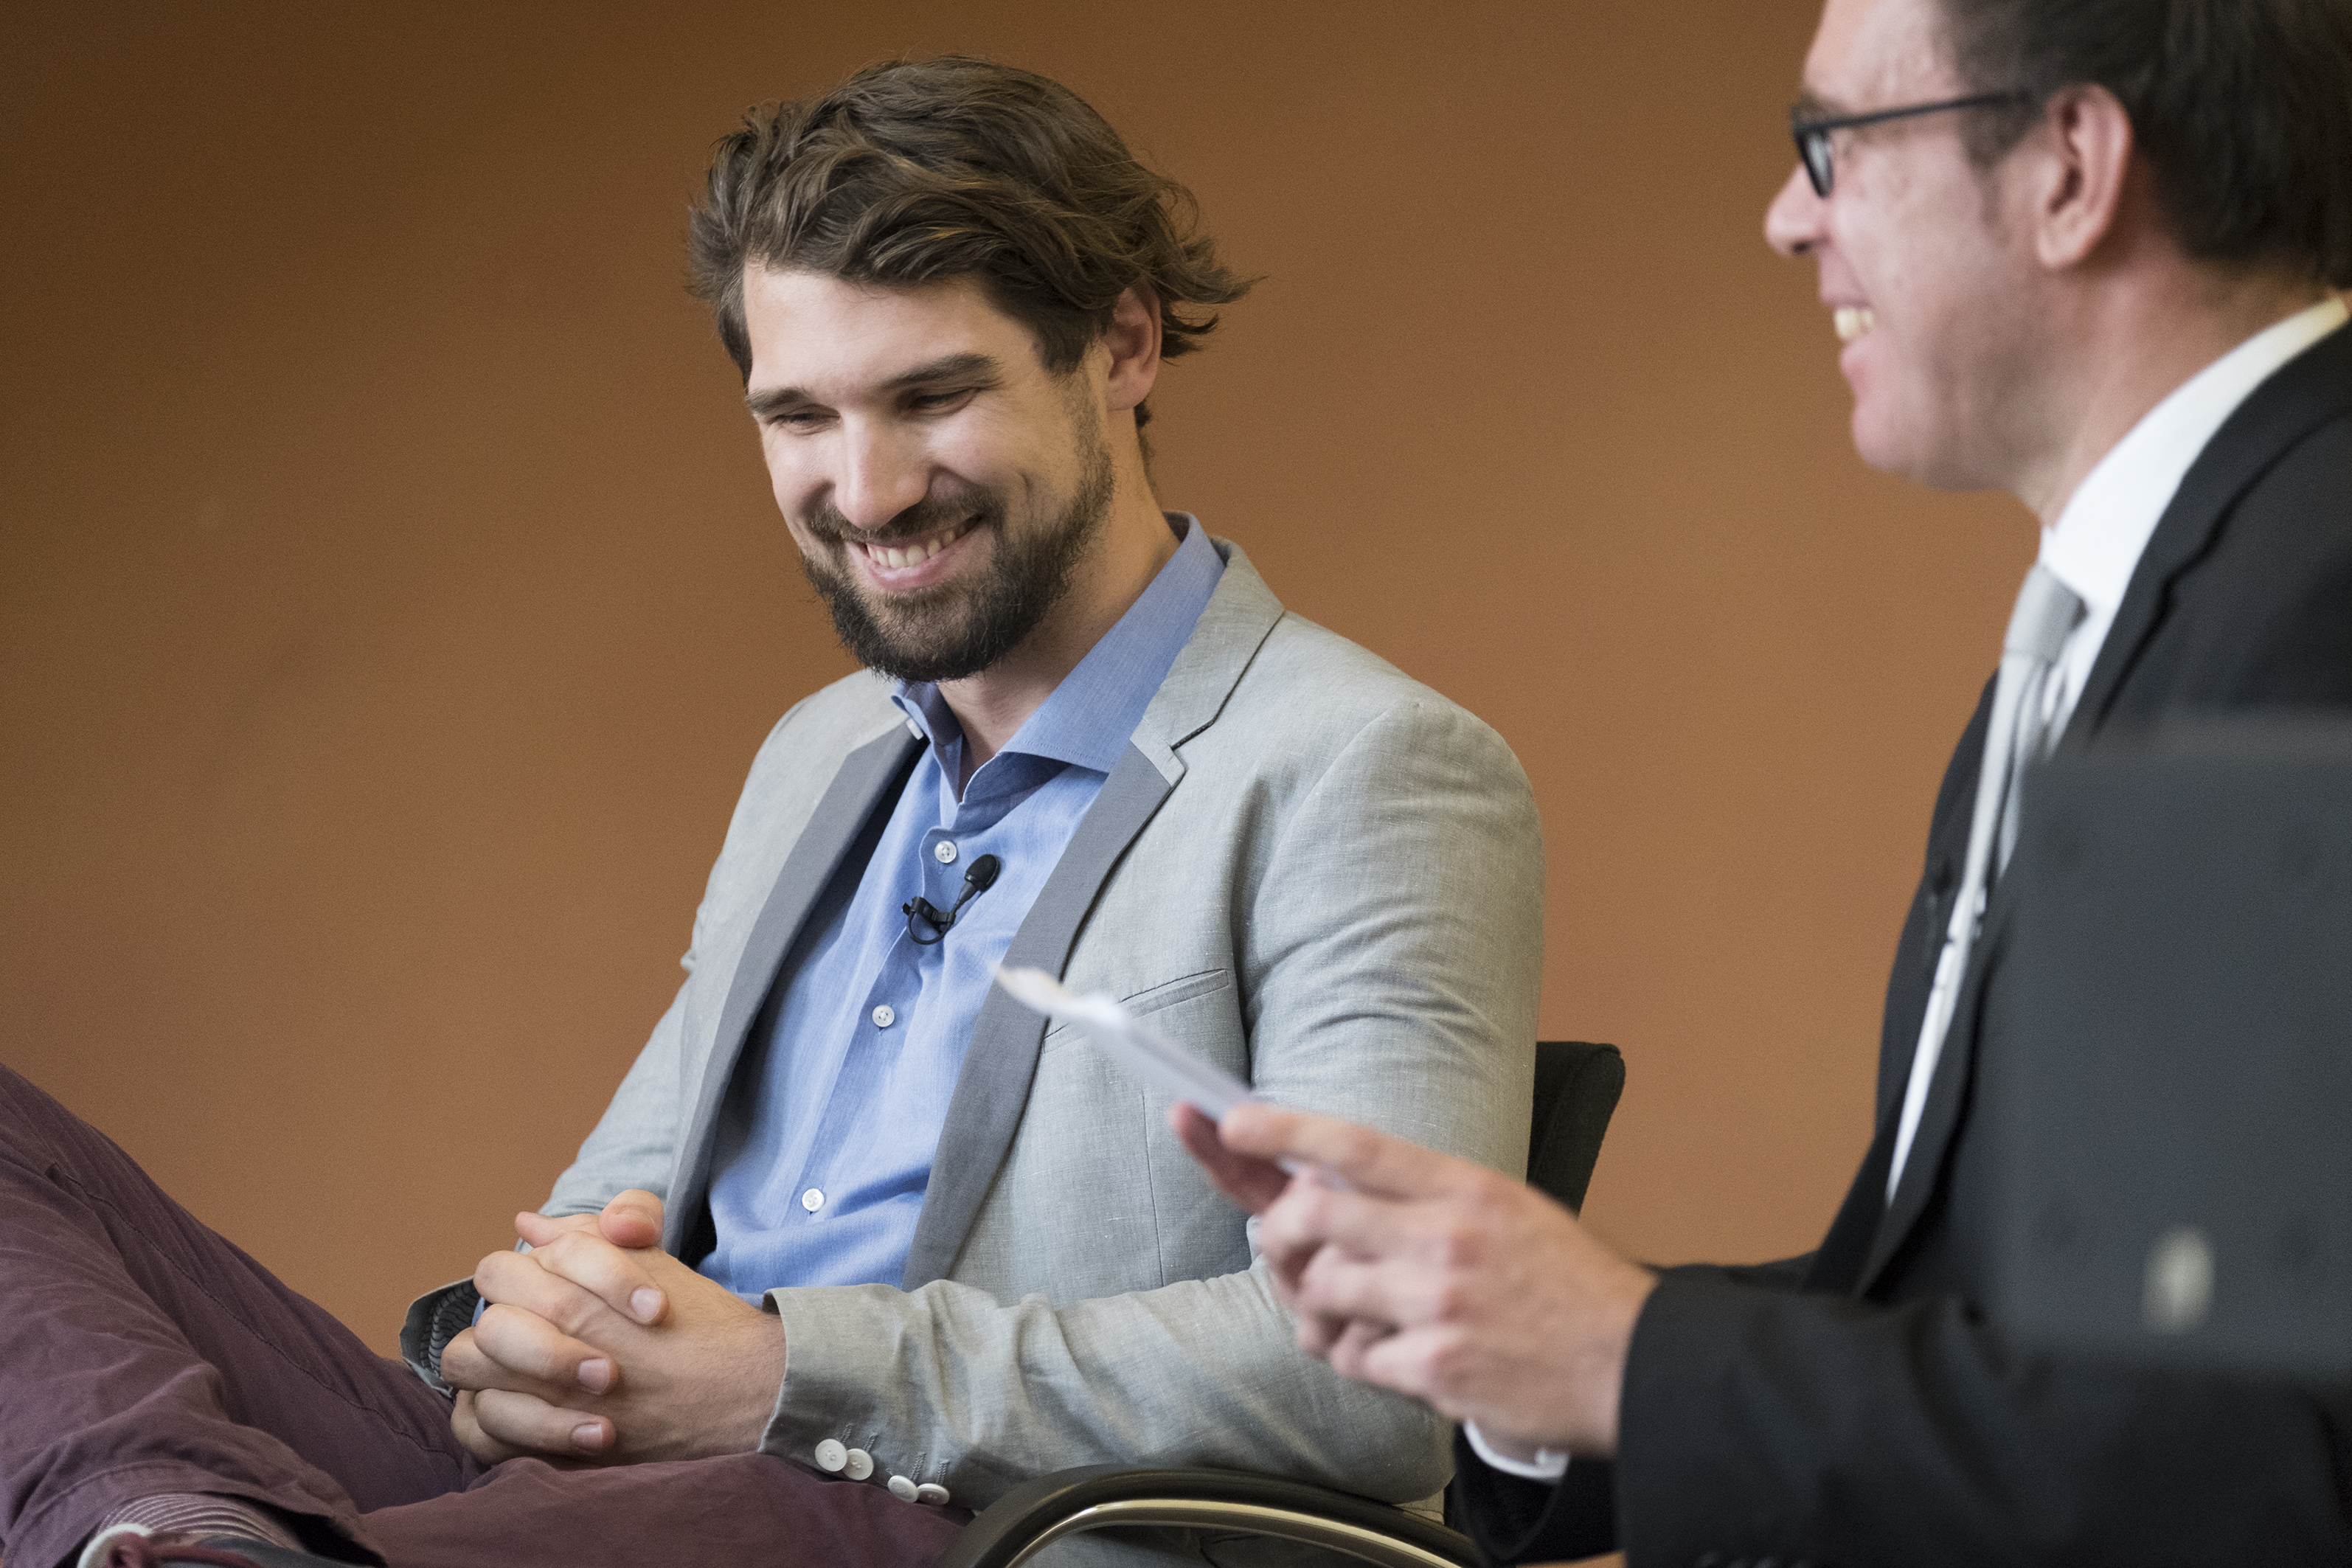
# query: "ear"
(1133, 340)
(2085, 141)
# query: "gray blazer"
(1307, 868)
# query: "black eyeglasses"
(1812, 136)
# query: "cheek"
(970, 457)
(791, 474)
(795, 492)
(1009, 446)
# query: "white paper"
(1128, 1041)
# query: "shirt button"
(831, 1455)
(902, 1488)
(813, 1200)
(944, 852)
(860, 1465)
(884, 1016)
(931, 1494)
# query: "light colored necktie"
(2017, 734)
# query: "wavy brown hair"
(920, 171)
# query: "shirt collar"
(2097, 543)
(1088, 718)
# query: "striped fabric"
(199, 1515)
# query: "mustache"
(925, 516)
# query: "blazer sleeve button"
(902, 1488)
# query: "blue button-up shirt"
(825, 1149)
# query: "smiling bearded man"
(858, 1245)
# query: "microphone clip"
(922, 912)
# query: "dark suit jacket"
(1853, 1406)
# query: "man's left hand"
(599, 1346)
(1435, 1276)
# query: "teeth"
(1853, 321)
(897, 557)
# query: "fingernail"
(589, 1436)
(595, 1376)
(647, 1303)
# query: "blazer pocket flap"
(1158, 997)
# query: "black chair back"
(1577, 1086)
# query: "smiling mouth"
(914, 551)
(1853, 322)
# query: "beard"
(951, 630)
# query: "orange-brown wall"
(391, 600)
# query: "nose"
(1793, 223)
(883, 472)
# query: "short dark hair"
(921, 171)
(2242, 108)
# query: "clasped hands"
(599, 1347)
(1433, 1276)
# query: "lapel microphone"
(976, 881)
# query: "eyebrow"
(1810, 105)
(967, 365)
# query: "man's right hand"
(1433, 1276)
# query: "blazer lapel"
(866, 777)
(1940, 1117)
(1839, 1262)
(993, 1088)
(1948, 1092)
(2303, 394)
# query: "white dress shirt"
(2096, 546)
(1549, 1464)
(2093, 548)
(2097, 541)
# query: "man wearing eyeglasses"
(2082, 251)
